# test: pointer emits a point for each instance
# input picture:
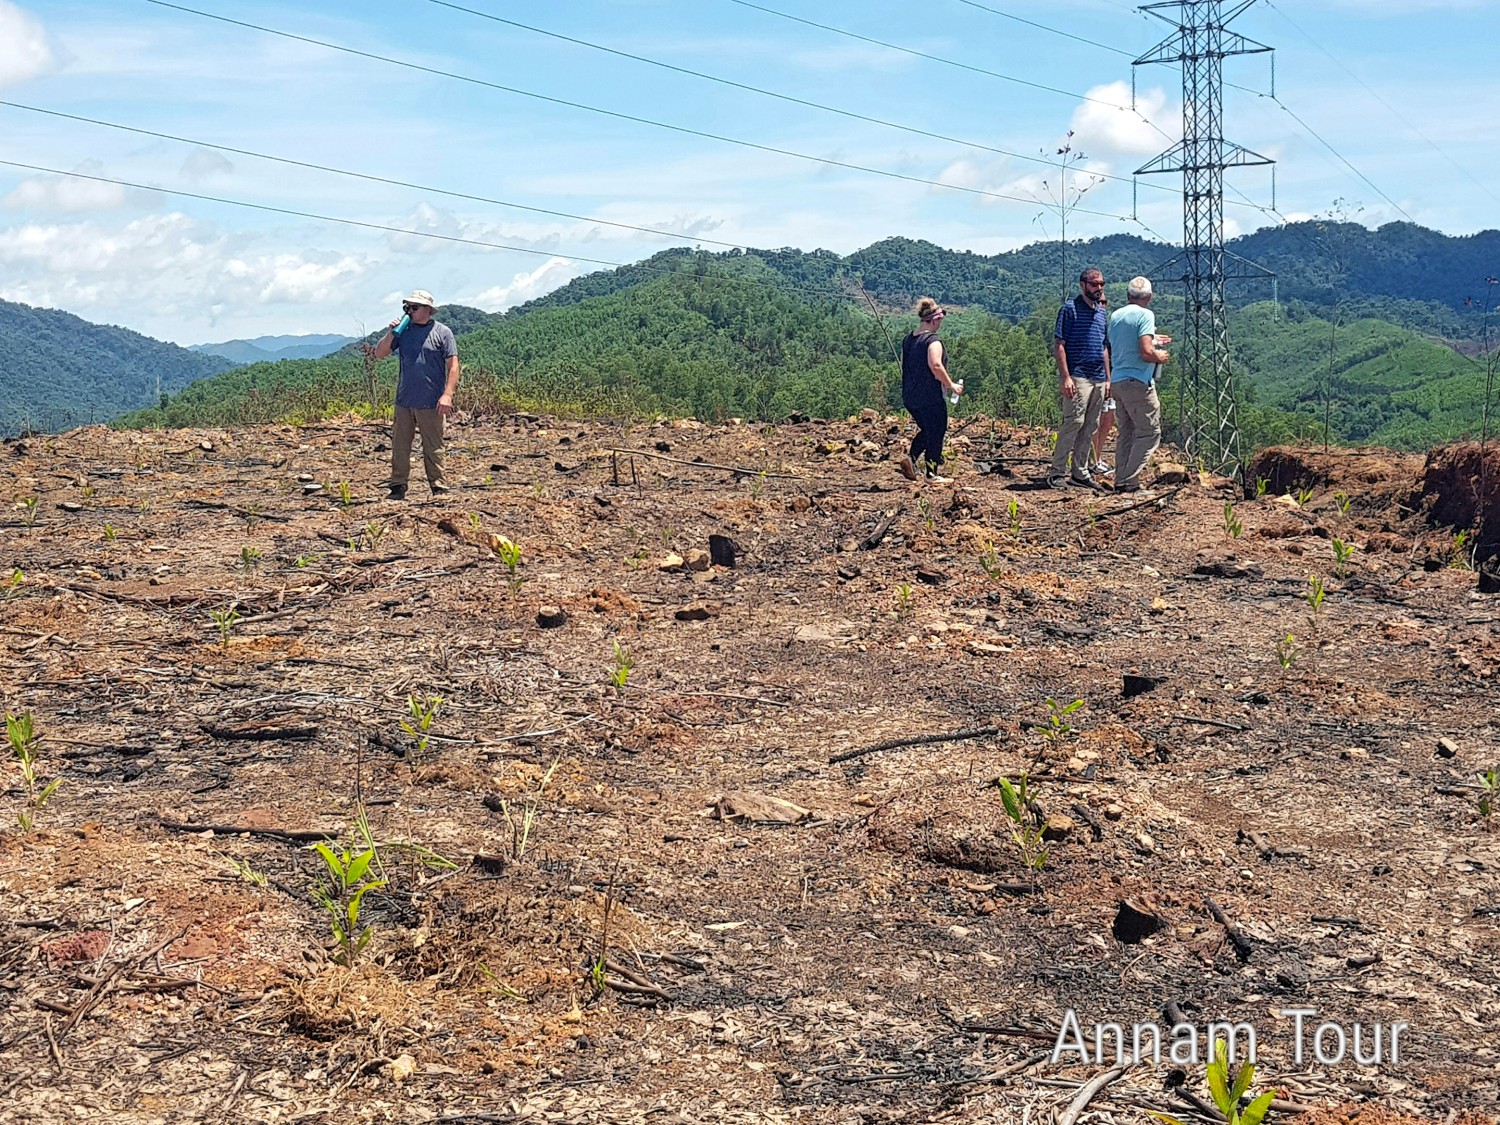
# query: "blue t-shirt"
(1126, 327)
(424, 350)
(1082, 330)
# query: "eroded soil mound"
(1461, 488)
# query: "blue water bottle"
(401, 326)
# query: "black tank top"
(918, 385)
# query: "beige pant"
(1137, 429)
(429, 423)
(1080, 418)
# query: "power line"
(921, 54)
(370, 178)
(847, 166)
(853, 115)
(1340, 156)
(1044, 27)
(1392, 109)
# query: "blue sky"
(1401, 89)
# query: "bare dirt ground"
(609, 947)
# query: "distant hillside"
(269, 349)
(61, 371)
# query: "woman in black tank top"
(925, 387)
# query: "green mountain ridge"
(1363, 341)
(63, 371)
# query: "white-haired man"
(1136, 359)
(425, 388)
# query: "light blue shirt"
(1126, 327)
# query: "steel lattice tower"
(1210, 425)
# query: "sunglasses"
(411, 308)
(1094, 284)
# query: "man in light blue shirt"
(1136, 359)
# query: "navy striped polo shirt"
(1084, 332)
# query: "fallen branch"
(259, 732)
(291, 835)
(1141, 504)
(1086, 1094)
(871, 541)
(96, 994)
(1243, 947)
(705, 464)
(1220, 723)
(919, 740)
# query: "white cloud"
(526, 286)
(70, 194)
(1114, 129)
(165, 270)
(25, 52)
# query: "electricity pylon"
(1210, 422)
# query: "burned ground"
(862, 942)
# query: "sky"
(942, 121)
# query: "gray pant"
(429, 423)
(1080, 418)
(1137, 429)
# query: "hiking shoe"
(1102, 469)
(934, 478)
(398, 492)
(439, 488)
(1138, 492)
(908, 470)
(1059, 483)
(1086, 481)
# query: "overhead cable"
(370, 178)
(847, 166)
(794, 100)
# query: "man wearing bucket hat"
(424, 390)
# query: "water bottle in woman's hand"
(958, 389)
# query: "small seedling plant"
(346, 881)
(1458, 555)
(624, 662)
(1286, 652)
(1025, 832)
(1342, 500)
(1303, 496)
(925, 510)
(1489, 799)
(1232, 526)
(1314, 598)
(1227, 1092)
(30, 504)
(423, 713)
(1342, 553)
(1055, 729)
(374, 533)
(1261, 484)
(346, 493)
(1013, 510)
(521, 818)
(111, 532)
(20, 732)
(904, 600)
(13, 587)
(509, 553)
(225, 617)
(249, 560)
(989, 560)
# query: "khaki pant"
(429, 423)
(1080, 418)
(1137, 429)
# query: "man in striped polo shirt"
(1080, 344)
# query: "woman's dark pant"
(932, 427)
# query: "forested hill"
(62, 371)
(766, 336)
